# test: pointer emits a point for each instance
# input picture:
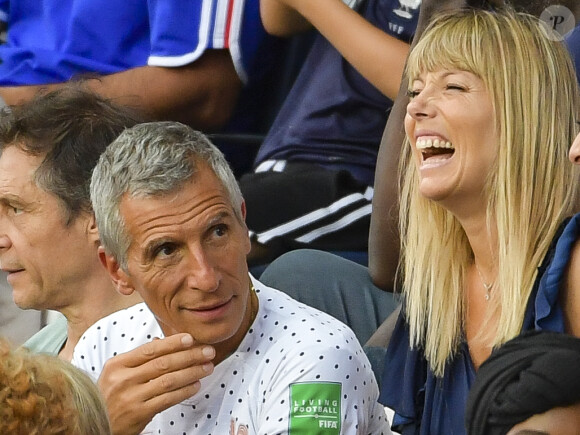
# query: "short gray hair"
(151, 159)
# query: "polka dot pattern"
(289, 343)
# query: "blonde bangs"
(451, 42)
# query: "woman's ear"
(121, 279)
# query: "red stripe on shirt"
(228, 24)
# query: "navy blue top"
(425, 404)
(332, 115)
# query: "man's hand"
(149, 379)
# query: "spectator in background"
(529, 383)
(179, 60)
(312, 180)
(171, 218)
(48, 236)
(44, 395)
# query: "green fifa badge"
(315, 408)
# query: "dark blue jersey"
(333, 116)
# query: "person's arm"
(202, 94)
(139, 384)
(281, 20)
(378, 56)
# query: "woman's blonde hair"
(44, 395)
(531, 188)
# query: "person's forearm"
(202, 94)
(379, 57)
(384, 231)
(281, 20)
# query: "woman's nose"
(574, 153)
(420, 106)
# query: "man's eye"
(16, 210)
(220, 230)
(165, 250)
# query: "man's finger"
(124, 371)
(156, 348)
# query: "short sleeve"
(181, 30)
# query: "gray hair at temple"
(151, 160)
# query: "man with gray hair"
(48, 235)
(171, 219)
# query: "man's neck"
(99, 299)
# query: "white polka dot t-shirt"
(297, 371)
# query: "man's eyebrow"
(9, 198)
(152, 245)
(218, 218)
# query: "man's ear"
(92, 229)
(120, 278)
(243, 210)
(247, 237)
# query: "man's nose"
(203, 274)
(5, 242)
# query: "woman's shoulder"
(570, 296)
(558, 292)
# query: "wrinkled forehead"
(16, 161)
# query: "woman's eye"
(453, 87)
(16, 210)
(412, 93)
